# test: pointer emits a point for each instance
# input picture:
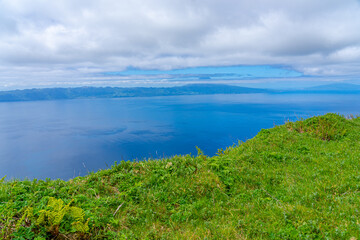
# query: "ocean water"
(67, 138)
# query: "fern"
(56, 210)
(55, 213)
(81, 227)
(28, 213)
(41, 218)
(78, 215)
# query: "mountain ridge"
(36, 94)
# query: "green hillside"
(300, 180)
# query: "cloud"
(48, 41)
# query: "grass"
(300, 180)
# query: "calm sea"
(68, 138)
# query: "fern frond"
(77, 213)
(28, 213)
(41, 218)
(55, 213)
(81, 227)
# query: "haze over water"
(68, 138)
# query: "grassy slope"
(296, 181)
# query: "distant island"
(37, 94)
(330, 88)
(119, 92)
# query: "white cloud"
(59, 39)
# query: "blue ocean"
(69, 138)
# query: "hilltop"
(299, 180)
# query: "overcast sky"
(67, 42)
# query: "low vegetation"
(300, 180)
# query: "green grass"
(300, 180)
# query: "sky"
(259, 43)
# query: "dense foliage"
(300, 180)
